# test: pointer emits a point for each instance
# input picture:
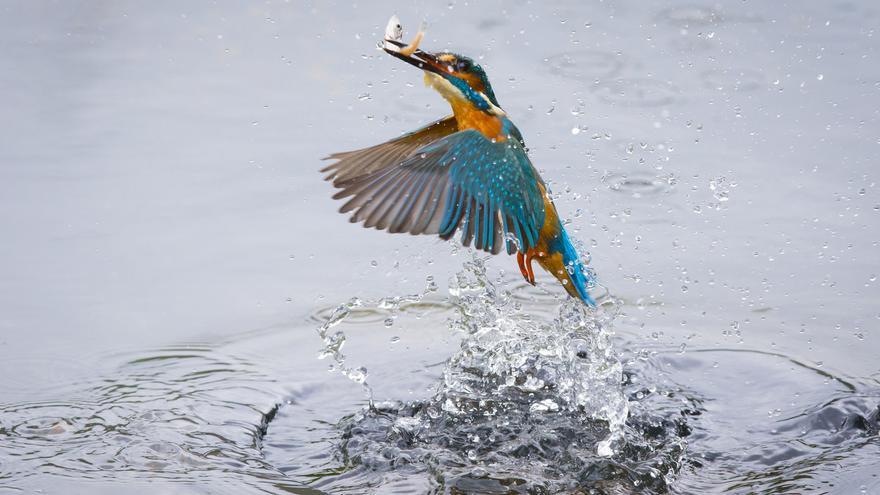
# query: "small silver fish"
(393, 32)
(394, 37)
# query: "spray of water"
(512, 363)
(335, 340)
(530, 401)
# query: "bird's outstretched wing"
(352, 164)
(459, 182)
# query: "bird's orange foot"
(525, 266)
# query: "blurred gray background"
(159, 167)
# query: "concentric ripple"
(638, 92)
(690, 16)
(585, 65)
(739, 80)
(637, 184)
(176, 413)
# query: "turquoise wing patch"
(489, 191)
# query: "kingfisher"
(468, 172)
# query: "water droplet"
(357, 375)
(546, 405)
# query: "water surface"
(170, 252)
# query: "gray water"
(169, 253)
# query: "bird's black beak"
(419, 58)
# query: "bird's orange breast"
(469, 117)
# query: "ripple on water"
(698, 16)
(585, 65)
(734, 79)
(638, 92)
(368, 315)
(638, 184)
(691, 44)
(175, 413)
(802, 428)
(690, 16)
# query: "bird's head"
(457, 78)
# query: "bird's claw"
(525, 266)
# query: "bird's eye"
(463, 65)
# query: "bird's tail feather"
(579, 277)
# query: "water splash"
(513, 362)
(527, 401)
(334, 341)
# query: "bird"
(468, 172)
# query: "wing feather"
(457, 182)
(353, 164)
